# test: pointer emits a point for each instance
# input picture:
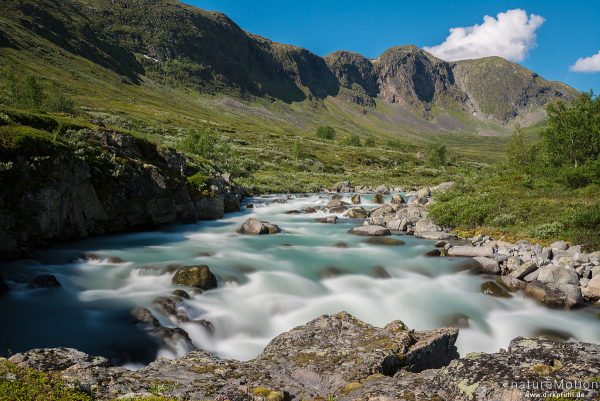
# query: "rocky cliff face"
(96, 182)
(339, 356)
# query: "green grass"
(511, 205)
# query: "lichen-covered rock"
(256, 227)
(554, 295)
(357, 213)
(195, 276)
(505, 376)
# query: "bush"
(370, 142)
(326, 132)
(28, 93)
(547, 230)
(353, 140)
(588, 217)
(436, 155)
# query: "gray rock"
(523, 270)
(435, 235)
(357, 213)
(397, 199)
(493, 289)
(564, 296)
(370, 230)
(378, 199)
(327, 220)
(559, 246)
(471, 251)
(195, 276)
(592, 290)
(382, 189)
(510, 283)
(336, 203)
(254, 226)
(487, 265)
(356, 199)
(557, 275)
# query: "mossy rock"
(195, 276)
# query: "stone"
(426, 225)
(327, 220)
(384, 241)
(378, 199)
(566, 296)
(172, 308)
(336, 203)
(523, 270)
(493, 289)
(397, 199)
(471, 251)
(487, 265)
(558, 275)
(434, 235)
(356, 199)
(370, 230)
(181, 294)
(382, 189)
(559, 246)
(310, 210)
(434, 252)
(44, 281)
(423, 192)
(511, 284)
(441, 244)
(195, 276)
(513, 263)
(379, 272)
(357, 213)
(254, 226)
(592, 290)
(174, 338)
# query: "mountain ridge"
(175, 43)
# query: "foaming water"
(267, 285)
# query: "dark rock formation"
(99, 182)
(257, 227)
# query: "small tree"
(353, 140)
(326, 132)
(573, 132)
(436, 155)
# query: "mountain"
(179, 44)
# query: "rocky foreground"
(340, 357)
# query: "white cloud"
(587, 64)
(510, 35)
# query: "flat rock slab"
(471, 251)
(487, 265)
(370, 230)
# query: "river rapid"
(267, 285)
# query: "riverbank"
(339, 357)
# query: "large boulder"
(195, 276)
(254, 226)
(357, 213)
(356, 199)
(592, 291)
(524, 270)
(558, 275)
(336, 203)
(566, 296)
(378, 199)
(487, 265)
(370, 230)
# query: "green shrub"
(436, 155)
(325, 132)
(353, 140)
(370, 142)
(28, 93)
(199, 181)
(547, 230)
(588, 217)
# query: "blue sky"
(570, 29)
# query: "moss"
(204, 369)
(200, 181)
(25, 384)
(267, 394)
(27, 140)
(468, 389)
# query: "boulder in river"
(397, 199)
(336, 203)
(256, 227)
(44, 281)
(558, 275)
(357, 213)
(327, 219)
(592, 290)
(487, 265)
(370, 230)
(384, 241)
(195, 276)
(564, 296)
(493, 289)
(174, 338)
(356, 199)
(523, 270)
(378, 199)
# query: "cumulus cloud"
(587, 64)
(510, 35)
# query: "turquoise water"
(267, 285)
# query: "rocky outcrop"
(97, 182)
(342, 357)
(324, 357)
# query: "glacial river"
(267, 285)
